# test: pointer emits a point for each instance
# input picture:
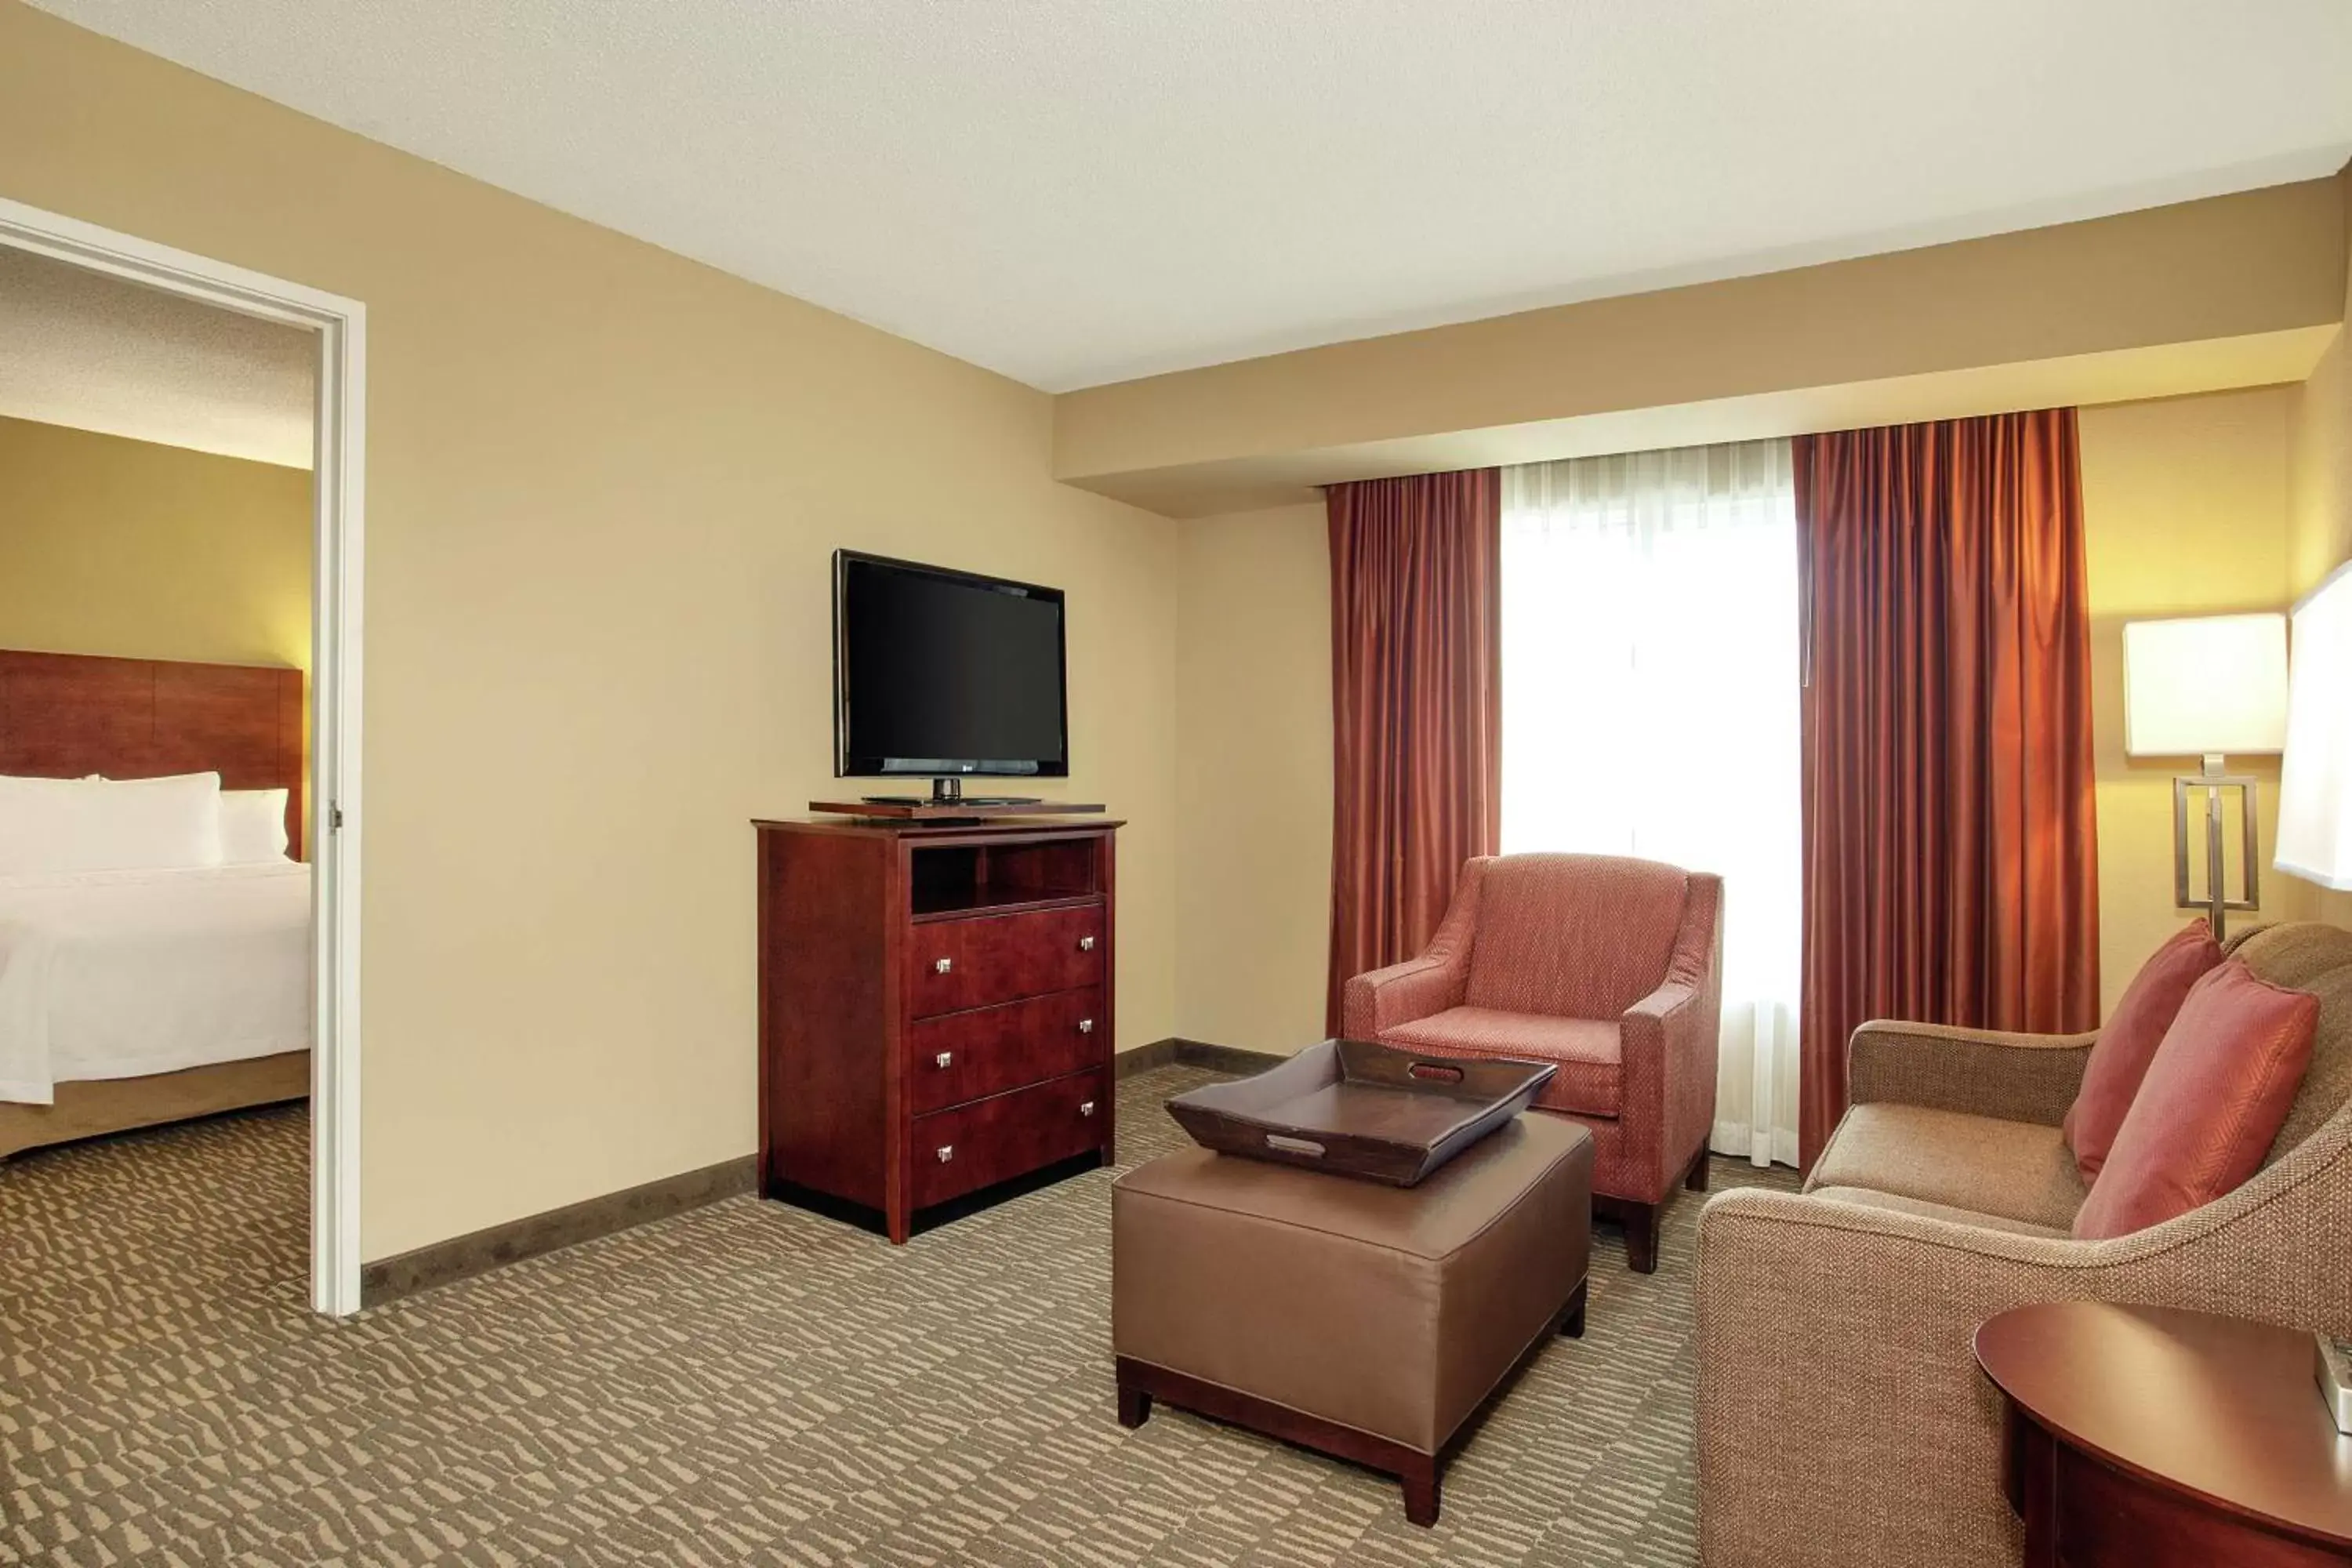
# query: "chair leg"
(1694, 1180)
(1642, 1224)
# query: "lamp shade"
(2195, 687)
(2315, 831)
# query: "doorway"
(331, 781)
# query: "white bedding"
(107, 974)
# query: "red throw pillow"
(2112, 1076)
(2214, 1099)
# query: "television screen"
(943, 672)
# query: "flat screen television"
(945, 675)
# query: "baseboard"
(1225, 1058)
(1195, 1054)
(1143, 1058)
(444, 1262)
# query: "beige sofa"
(1842, 1418)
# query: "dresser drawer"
(970, 1056)
(1007, 1135)
(952, 966)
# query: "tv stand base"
(914, 808)
(948, 791)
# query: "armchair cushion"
(2010, 1170)
(1576, 936)
(2128, 1041)
(1590, 1080)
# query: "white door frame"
(339, 498)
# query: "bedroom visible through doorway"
(178, 748)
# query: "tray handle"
(1289, 1145)
(1436, 1072)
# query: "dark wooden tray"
(1356, 1108)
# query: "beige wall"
(2322, 522)
(114, 546)
(1253, 778)
(2238, 291)
(2184, 513)
(2321, 469)
(603, 485)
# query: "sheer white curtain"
(1650, 693)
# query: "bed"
(135, 995)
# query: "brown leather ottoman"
(1369, 1321)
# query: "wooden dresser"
(935, 1009)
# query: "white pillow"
(252, 826)
(102, 825)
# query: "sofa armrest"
(1983, 1072)
(1842, 1417)
(1383, 998)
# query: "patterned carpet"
(744, 1384)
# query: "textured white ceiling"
(1080, 190)
(91, 351)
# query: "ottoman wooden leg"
(1134, 1405)
(1571, 1319)
(1420, 1493)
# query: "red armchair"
(1609, 967)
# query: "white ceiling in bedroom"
(91, 351)
(1078, 191)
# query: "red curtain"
(1416, 707)
(1950, 870)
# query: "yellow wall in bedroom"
(114, 546)
(604, 486)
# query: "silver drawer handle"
(942, 965)
(1085, 1108)
(947, 1152)
(1086, 945)
(1086, 1025)
(945, 1058)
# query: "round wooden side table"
(2156, 1437)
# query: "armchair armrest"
(1383, 998)
(1982, 1072)
(1667, 1044)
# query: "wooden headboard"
(63, 715)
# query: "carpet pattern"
(743, 1384)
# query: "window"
(1650, 708)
